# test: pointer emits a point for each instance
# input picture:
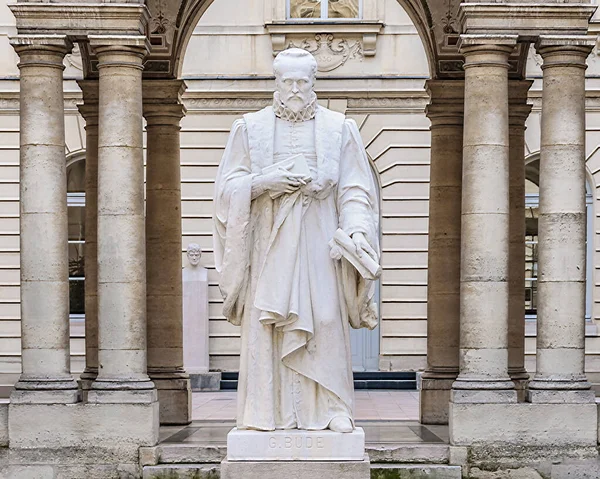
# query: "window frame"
(76, 200)
(324, 14)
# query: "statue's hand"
(335, 252)
(363, 246)
(282, 181)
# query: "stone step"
(378, 471)
(406, 453)
(182, 471)
(413, 471)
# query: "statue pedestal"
(295, 454)
(295, 445)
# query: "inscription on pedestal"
(295, 445)
(296, 442)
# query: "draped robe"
(293, 302)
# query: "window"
(531, 247)
(324, 9)
(76, 220)
(532, 200)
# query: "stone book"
(364, 264)
(294, 164)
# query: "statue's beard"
(295, 103)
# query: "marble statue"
(293, 174)
(195, 313)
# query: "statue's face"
(194, 256)
(295, 83)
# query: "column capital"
(162, 101)
(447, 102)
(109, 49)
(518, 108)
(89, 108)
(565, 50)
(41, 50)
(472, 44)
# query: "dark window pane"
(343, 9)
(305, 8)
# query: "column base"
(122, 392)
(477, 391)
(435, 398)
(209, 381)
(46, 391)
(547, 391)
(174, 396)
(520, 379)
(87, 378)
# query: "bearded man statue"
(292, 175)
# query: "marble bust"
(194, 253)
(292, 175)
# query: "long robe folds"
(293, 302)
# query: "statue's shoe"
(341, 424)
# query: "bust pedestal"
(277, 454)
(196, 329)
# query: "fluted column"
(445, 111)
(560, 375)
(89, 111)
(163, 111)
(46, 376)
(484, 237)
(122, 375)
(518, 112)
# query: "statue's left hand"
(363, 246)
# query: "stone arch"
(191, 11)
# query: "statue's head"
(194, 252)
(295, 72)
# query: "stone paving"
(370, 405)
(388, 417)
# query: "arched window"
(76, 220)
(532, 202)
(324, 9)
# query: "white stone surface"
(295, 445)
(195, 313)
(292, 295)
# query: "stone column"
(518, 112)
(46, 376)
(89, 111)
(122, 375)
(485, 228)
(163, 111)
(560, 375)
(445, 112)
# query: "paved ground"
(388, 417)
(370, 405)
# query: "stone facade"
(441, 97)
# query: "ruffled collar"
(283, 112)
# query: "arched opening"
(532, 201)
(395, 132)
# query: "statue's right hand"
(281, 180)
